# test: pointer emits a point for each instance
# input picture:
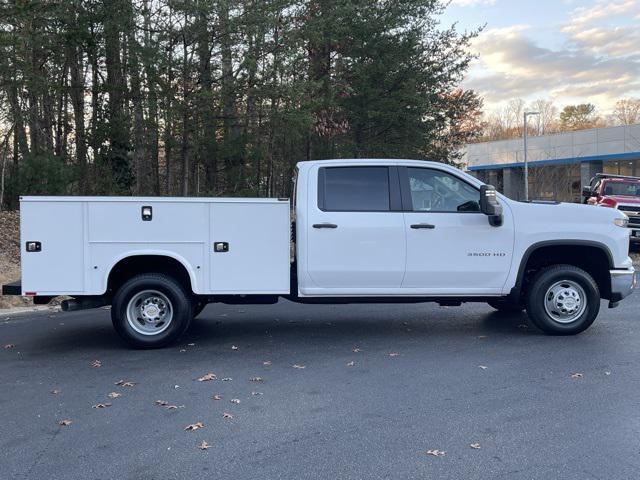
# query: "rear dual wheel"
(151, 310)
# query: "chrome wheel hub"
(149, 312)
(565, 301)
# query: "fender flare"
(147, 253)
(515, 293)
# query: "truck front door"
(355, 231)
(451, 248)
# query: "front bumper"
(622, 284)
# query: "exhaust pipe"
(82, 303)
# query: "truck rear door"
(355, 230)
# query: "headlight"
(621, 222)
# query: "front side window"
(438, 191)
(354, 189)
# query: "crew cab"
(616, 191)
(355, 231)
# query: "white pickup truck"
(362, 231)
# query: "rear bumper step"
(14, 288)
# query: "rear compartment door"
(253, 250)
(59, 227)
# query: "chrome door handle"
(423, 225)
(325, 225)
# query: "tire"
(151, 311)
(505, 306)
(563, 300)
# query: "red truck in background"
(616, 191)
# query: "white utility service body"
(364, 230)
(84, 238)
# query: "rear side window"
(353, 189)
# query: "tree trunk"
(208, 146)
(152, 94)
(184, 150)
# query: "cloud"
(590, 28)
(472, 3)
(597, 63)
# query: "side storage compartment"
(250, 247)
(57, 265)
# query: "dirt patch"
(10, 256)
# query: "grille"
(629, 208)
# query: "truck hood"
(629, 200)
(565, 213)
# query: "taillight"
(608, 202)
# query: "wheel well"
(135, 265)
(592, 259)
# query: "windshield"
(629, 189)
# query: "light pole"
(526, 163)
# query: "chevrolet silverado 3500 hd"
(363, 231)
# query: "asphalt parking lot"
(326, 392)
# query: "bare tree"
(514, 111)
(627, 111)
(548, 118)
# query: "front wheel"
(563, 300)
(151, 311)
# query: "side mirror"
(489, 205)
(586, 191)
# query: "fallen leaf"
(394, 354)
(162, 403)
(235, 400)
(576, 375)
(227, 415)
(65, 423)
(356, 350)
(9, 345)
(475, 446)
(256, 379)
(194, 426)
(55, 392)
(436, 453)
(114, 395)
(482, 336)
(124, 383)
(182, 350)
(607, 373)
(208, 377)
(233, 347)
(101, 405)
(171, 407)
(351, 364)
(191, 344)
(483, 367)
(203, 445)
(216, 397)
(96, 364)
(523, 326)
(267, 363)
(227, 379)
(299, 366)
(256, 393)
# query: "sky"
(568, 51)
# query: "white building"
(559, 164)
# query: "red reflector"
(30, 294)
